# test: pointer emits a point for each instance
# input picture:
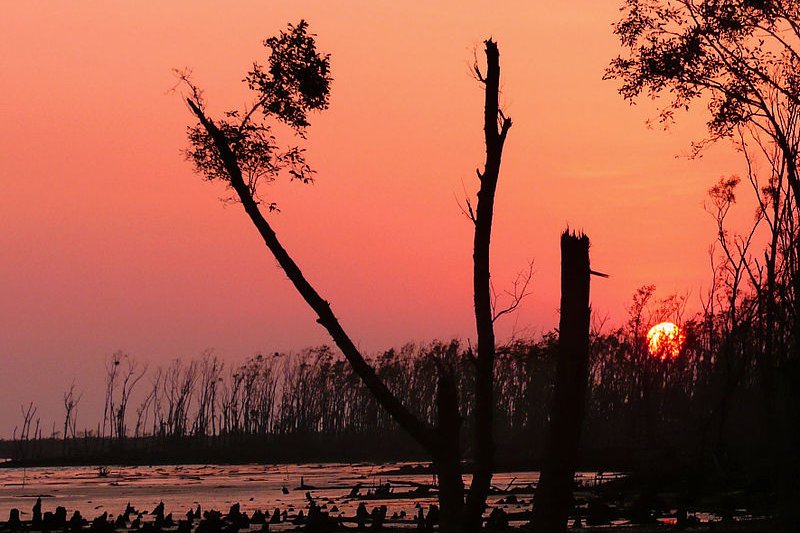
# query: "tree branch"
(420, 431)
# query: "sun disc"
(665, 340)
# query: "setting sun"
(665, 340)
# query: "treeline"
(308, 398)
(708, 399)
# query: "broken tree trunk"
(447, 461)
(554, 493)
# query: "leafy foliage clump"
(295, 82)
(742, 54)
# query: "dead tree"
(178, 389)
(133, 374)
(156, 404)
(554, 493)
(210, 372)
(70, 405)
(142, 411)
(109, 408)
(121, 380)
(23, 445)
(240, 150)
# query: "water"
(93, 490)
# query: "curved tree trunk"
(416, 428)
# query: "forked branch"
(519, 291)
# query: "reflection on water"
(93, 490)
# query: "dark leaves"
(738, 53)
(295, 82)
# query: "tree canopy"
(295, 81)
(743, 55)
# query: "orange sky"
(109, 241)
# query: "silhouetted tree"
(122, 375)
(178, 383)
(744, 57)
(23, 444)
(730, 299)
(242, 151)
(495, 130)
(71, 401)
(209, 380)
(554, 492)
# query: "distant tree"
(71, 400)
(210, 369)
(730, 302)
(123, 373)
(22, 447)
(177, 388)
(242, 151)
(142, 411)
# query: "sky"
(109, 241)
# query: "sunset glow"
(404, 257)
(129, 250)
(665, 340)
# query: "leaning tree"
(241, 149)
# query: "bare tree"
(732, 274)
(122, 375)
(133, 374)
(109, 408)
(495, 130)
(210, 371)
(156, 403)
(71, 401)
(142, 412)
(178, 388)
(23, 444)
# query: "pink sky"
(109, 241)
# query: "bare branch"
(518, 293)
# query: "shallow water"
(182, 487)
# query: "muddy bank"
(235, 498)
